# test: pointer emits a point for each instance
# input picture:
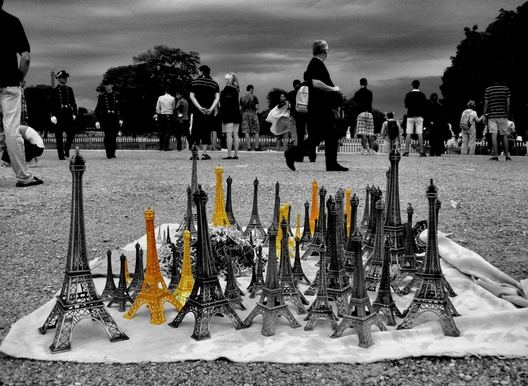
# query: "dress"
(63, 108)
(108, 114)
(204, 89)
(229, 106)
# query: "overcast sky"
(267, 43)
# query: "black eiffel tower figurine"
(338, 282)
(374, 264)
(365, 221)
(321, 308)
(271, 304)
(341, 229)
(361, 315)
(254, 221)
(232, 293)
(257, 280)
(188, 219)
(320, 228)
(349, 250)
(121, 295)
(290, 291)
(431, 295)
(78, 298)
(276, 211)
(229, 206)
(369, 237)
(175, 269)
(298, 273)
(139, 274)
(384, 301)
(110, 286)
(206, 299)
(306, 236)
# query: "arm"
(215, 103)
(323, 86)
(158, 107)
(195, 102)
(25, 60)
(485, 108)
(74, 104)
(508, 106)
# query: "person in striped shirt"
(496, 111)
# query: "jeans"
(471, 137)
(10, 108)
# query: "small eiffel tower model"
(298, 273)
(276, 211)
(229, 206)
(219, 214)
(139, 274)
(339, 287)
(186, 282)
(320, 228)
(78, 298)
(188, 220)
(110, 286)
(271, 304)
(232, 293)
(374, 264)
(257, 280)
(384, 301)
(431, 295)
(206, 299)
(306, 236)
(365, 221)
(340, 226)
(254, 221)
(348, 194)
(350, 258)
(369, 237)
(321, 308)
(361, 315)
(121, 295)
(290, 291)
(154, 292)
(314, 214)
(175, 269)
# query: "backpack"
(465, 121)
(301, 99)
(392, 130)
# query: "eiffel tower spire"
(348, 193)
(315, 207)
(78, 298)
(229, 205)
(349, 251)
(254, 221)
(188, 219)
(110, 286)
(306, 236)
(298, 273)
(219, 214)
(365, 221)
(139, 274)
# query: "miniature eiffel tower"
(276, 212)
(254, 221)
(340, 226)
(257, 281)
(78, 298)
(290, 291)
(365, 221)
(206, 299)
(128, 278)
(349, 250)
(374, 264)
(298, 273)
(317, 238)
(298, 226)
(431, 295)
(306, 236)
(121, 295)
(219, 214)
(175, 272)
(370, 236)
(110, 286)
(384, 301)
(314, 215)
(338, 282)
(154, 292)
(139, 274)
(188, 219)
(348, 194)
(320, 308)
(271, 304)
(186, 282)
(361, 315)
(229, 206)
(232, 293)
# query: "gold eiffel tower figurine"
(219, 215)
(314, 215)
(186, 283)
(154, 292)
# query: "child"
(279, 117)
(33, 146)
(391, 132)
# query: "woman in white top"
(469, 136)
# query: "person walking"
(469, 134)
(230, 113)
(324, 98)
(182, 120)
(437, 127)
(108, 116)
(249, 105)
(300, 120)
(164, 115)
(415, 103)
(365, 120)
(63, 113)
(497, 111)
(12, 73)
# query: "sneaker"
(34, 181)
(494, 159)
(508, 159)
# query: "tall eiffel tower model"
(121, 295)
(78, 298)
(257, 280)
(290, 291)
(219, 214)
(314, 214)
(350, 258)
(321, 308)
(320, 224)
(232, 293)
(365, 221)
(186, 282)
(306, 236)
(374, 264)
(188, 220)
(361, 315)
(369, 238)
(339, 287)
(254, 221)
(110, 286)
(139, 274)
(384, 301)
(229, 206)
(271, 304)
(298, 273)
(206, 299)
(431, 295)
(154, 292)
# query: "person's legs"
(257, 141)
(70, 137)
(248, 140)
(364, 141)
(409, 130)
(372, 142)
(236, 141)
(494, 145)
(228, 130)
(58, 140)
(472, 139)
(32, 151)
(465, 140)
(420, 144)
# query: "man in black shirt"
(108, 116)
(323, 98)
(416, 104)
(365, 120)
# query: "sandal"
(33, 182)
(205, 156)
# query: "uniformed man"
(63, 113)
(108, 116)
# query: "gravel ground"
(483, 205)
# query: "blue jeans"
(10, 109)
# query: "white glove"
(75, 116)
(120, 122)
(53, 120)
(97, 125)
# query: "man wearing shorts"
(365, 120)
(415, 102)
(497, 110)
(249, 105)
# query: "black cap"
(62, 74)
